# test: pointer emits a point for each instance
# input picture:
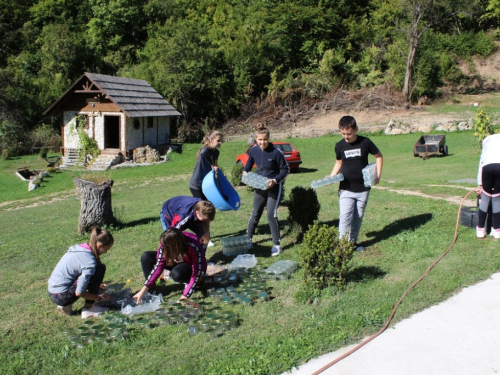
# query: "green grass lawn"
(404, 234)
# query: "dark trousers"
(491, 193)
(198, 194)
(270, 199)
(69, 297)
(180, 273)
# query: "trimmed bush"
(303, 207)
(43, 152)
(325, 258)
(236, 174)
(5, 153)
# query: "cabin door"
(112, 132)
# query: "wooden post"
(96, 208)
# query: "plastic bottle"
(235, 245)
(369, 174)
(255, 180)
(327, 181)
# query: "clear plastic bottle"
(369, 174)
(254, 180)
(327, 181)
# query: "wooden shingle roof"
(135, 97)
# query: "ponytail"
(99, 235)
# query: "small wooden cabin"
(122, 114)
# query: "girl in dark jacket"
(271, 163)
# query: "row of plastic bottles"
(327, 181)
(369, 174)
(235, 245)
(281, 269)
(255, 180)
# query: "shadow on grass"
(144, 221)
(167, 289)
(408, 223)
(305, 170)
(364, 273)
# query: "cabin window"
(150, 122)
(137, 124)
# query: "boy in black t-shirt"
(351, 157)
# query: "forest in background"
(211, 58)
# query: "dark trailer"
(429, 145)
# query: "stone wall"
(394, 127)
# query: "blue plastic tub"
(220, 192)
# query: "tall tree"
(417, 12)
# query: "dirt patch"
(372, 108)
(453, 199)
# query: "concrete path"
(460, 336)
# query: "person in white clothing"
(488, 180)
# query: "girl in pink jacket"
(179, 252)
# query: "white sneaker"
(93, 311)
(495, 233)
(166, 275)
(65, 310)
(481, 232)
(276, 250)
(210, 244)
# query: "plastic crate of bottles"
(255, 180)
(369, 174)
(235, 245)
(282, 269)
(327, 181)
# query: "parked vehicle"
(428, 145)
(291, 154)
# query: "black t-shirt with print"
(354, 158)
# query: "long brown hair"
(174, 245)
(99, 235)
(208, 138)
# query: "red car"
(292, 155)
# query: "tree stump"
(96, 208)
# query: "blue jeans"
(164, 223)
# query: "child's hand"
(138, 296)
(205, 239)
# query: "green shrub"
(12, 137)
(303, 207)
(483, 126)
(89, 149)
(450, 71)
(236, 174)
(43, 152)
(5, 153)
(325, 258)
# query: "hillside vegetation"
(221, 60)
